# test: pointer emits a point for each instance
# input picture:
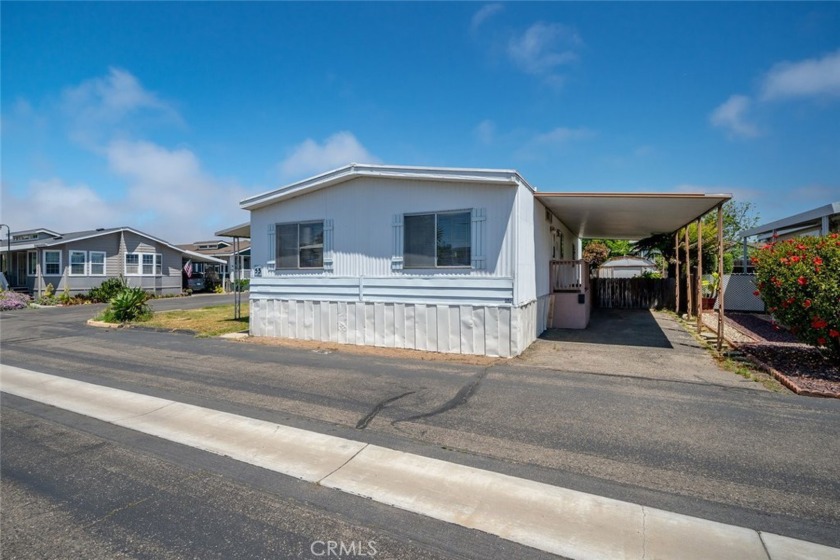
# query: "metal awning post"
(689, 303)
(677, 271)
(699, 275)
(720, 272)
(237, 294)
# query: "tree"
(737, 217)
(616, 247)
(595, 253)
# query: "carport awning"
(630, 216)
(242, 230)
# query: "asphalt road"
(742, 456)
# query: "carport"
(635, 216)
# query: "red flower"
(818, 261)
(755, 293)
(806, 304)
(794, 259)
(783, 260)
(818, 323)
(801, 247)
(821, 341)
(834, 333)
(833, 235)
(802, 280)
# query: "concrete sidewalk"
(557, 520)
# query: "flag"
(188, 268)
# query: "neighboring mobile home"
(226, 251)
(469, 261)
(627, 266)
(82, 260)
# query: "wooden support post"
(689, 298)
(720, 272)
(677, 272)
(699, 275)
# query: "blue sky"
(162, 116)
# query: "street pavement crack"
(461, 397)
(342, 465)
(367, 418)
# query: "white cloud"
(731, 116)
(58, 206)
(169, 193)
(546, 142)
(485, 131)
(813, 77)
(310, 157)
(562, 135)
(483, 14)
(808, 78)
(98, 105)
(543, 48)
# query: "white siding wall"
(461, 329)
(362, 211)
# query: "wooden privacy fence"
(633, 293)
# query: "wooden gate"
(633, 293)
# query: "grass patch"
(738, 367)
(207, 321)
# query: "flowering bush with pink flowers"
(13, 300)
(799, 281)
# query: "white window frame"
(91, 263)
(46, 264)
(151, 264)
(138, 264)
(84, 263)
(32, 263)
(141, 263)
(436, 265)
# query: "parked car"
(196, 282)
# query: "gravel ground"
(776, 347)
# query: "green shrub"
(799, 281)
(241, 285)
(128, 305)
(107, 290)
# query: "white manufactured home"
(470, 261)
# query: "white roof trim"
(795, 220)
(354, 170)
(202, 258)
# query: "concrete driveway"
(635, 343)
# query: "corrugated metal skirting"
(461, 329)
